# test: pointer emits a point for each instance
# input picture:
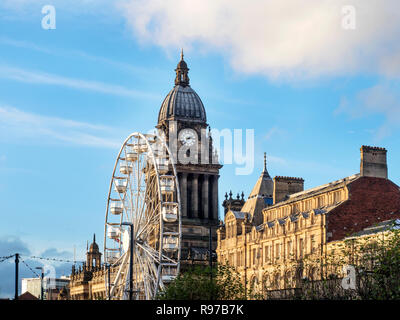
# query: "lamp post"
(130, 225)
(41, 282)
(109, 278)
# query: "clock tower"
(182, 119)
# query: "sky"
(315, 80)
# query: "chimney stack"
(373, 162)
(285, 186)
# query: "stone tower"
(93, 255)
(182, 119)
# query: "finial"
(87, 245)
(265, 161)
(182, 70)
(94, 238)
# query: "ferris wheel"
(142, 237)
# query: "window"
(312, 244)
(337, 196)
(278, 250)
(301, 248)
(307, 205)
(289, 249)
(285, 211)
(266, 254)
(321, 201)
(254, 256)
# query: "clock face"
(187, 137)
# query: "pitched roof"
(262, 190)
(317, 190)
(27, 296)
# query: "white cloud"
(284, 40)
(16, 124)
(36, 77)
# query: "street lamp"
(130, 225)
(41, 282)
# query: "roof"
(27, 296)
(379, 227)
(239, 214)
(314, 191)
(262, 190)
(182, 103)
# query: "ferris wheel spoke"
(149, 252)
(144, 274)
(119, 275)
(150, 223)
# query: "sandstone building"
(281, 224)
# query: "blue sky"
(312, 91)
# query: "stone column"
(183, 190)
(205, 197)
(214, 197)
(195, 195)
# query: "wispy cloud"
(18, 124)
(274, 131)
(382, 99)
(42, 78)
(123, 66)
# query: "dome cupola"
(182, 102)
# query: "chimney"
(285, 186)
(373, 162)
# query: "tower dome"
(94, 247)
(182, 102)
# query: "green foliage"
(198, 283)
(380, 268)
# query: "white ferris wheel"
(142, 238)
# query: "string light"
(55, 259)
(2, 259)
(30, 268)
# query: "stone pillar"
(195, 195)
(214, 197)
(205, 197)
(183, 190)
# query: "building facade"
(267, 245)
(51, 287)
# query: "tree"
(197, 283)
